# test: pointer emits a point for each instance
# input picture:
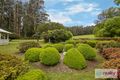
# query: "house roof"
(4, 31)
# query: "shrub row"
(112, 64)
(74, 57)
(109, 53)
(60, 47)
(47, 56)
(11, 67)
(107, 44)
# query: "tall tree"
(109, 13)
(21, 17)
(34, 15)
(117, 2)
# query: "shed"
(4, 37)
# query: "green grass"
(72, 76)
(11, 48)
(84, 36)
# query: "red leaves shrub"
(115, 55)
(109, 52)
(112, 64)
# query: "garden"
(39, 49)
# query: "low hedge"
(74, 59)
(109, 52)
(36, 74)
(23, 47)
(112, 64)
(68, 46)
(33, 54)
(50, 56)
(11, 67)
(88, 52)
(59, 47)
(107, 44)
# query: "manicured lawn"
(87, 74)
(84, 36)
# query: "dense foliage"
(23, 47)
(88, 52)
(80, 30)
(29, 12)
(57, 35)
(108, 13)
(117, 2)
(50, 56)
(44, 27)
(109, 28)
(68, 46)
(35, 74)
(32, 54)
(74, 59)
(11, 67)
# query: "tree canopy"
(108, 28)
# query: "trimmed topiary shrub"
(68, 46)
(33, 54)
(36, 74)
(11, 67)
(88, 52)
(70, 42)
(59, 47)
(23, 47)
(74, 59)
(50, 56)
(47, 45)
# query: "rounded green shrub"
(74, 59)
(88, 52)
(50, 56)
(68, 46)
(33, 54)
(47, 45)
(59, 47)
(36, 74)
(70, 42)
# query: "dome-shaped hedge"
(59, 47)
(50, 56)
(68, 46)
(88, 52)
(33, 75)
(47, 45)
(74, 59)
(33, 54)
